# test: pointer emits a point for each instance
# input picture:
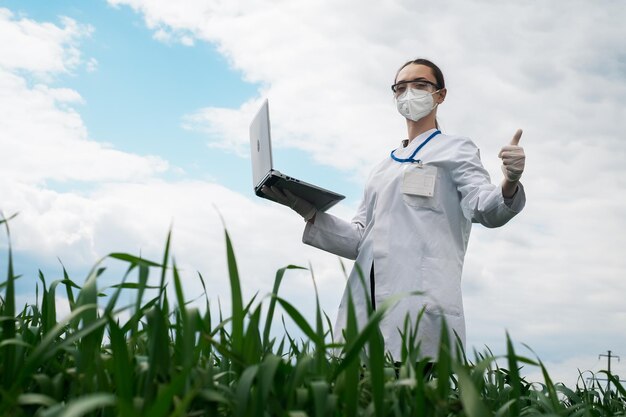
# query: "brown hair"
(436, 71)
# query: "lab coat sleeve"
(481, 201)
(336, 235)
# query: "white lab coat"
(416, 243)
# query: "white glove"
(287, 198)
(513, 158)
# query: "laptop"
(263, 173)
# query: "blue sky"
(121, 101)
(122, 117)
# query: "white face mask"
(415, 104)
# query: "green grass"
(173, 359)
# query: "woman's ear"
(441, 95)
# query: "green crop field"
(171, 359)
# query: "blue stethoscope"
(411, 158)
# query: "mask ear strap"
(443, 97)
(435, 103)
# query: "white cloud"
(40, 48)
(45, 139)
(164, 35)
(43, 136)
(229, 132)
(92, 65)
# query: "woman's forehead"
(414, 71)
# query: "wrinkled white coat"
(416, 243)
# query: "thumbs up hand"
(513, 158)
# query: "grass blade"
(352, 369)
(166, 397)
(236, 299)
(123, 369)
(244, 388)
(166, 256)
(299, 320)
(514, 377)
(8, 312)
(85, 405)
(470, 395)
(444, 363)
(270, 312)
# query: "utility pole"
(609, 356)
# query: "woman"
(411, 230)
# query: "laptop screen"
(261, 144)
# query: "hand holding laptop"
(289, 199)
(265, 176)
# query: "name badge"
(419, 180)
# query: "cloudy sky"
(121, 119)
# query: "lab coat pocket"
(418, 201)
(442, 286)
